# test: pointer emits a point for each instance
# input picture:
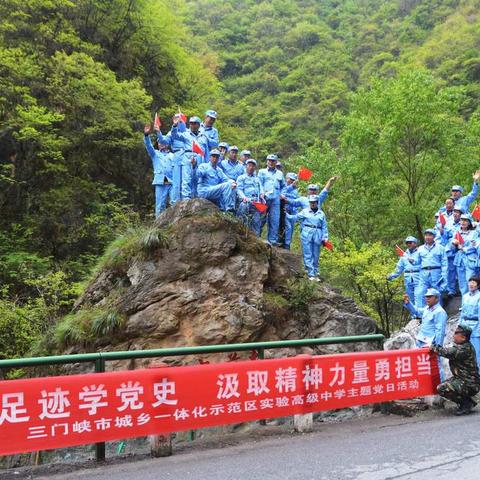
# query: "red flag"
(183, 117)
(328, 245)
(399, 251)
(304, 173)
(261, 207)
(196, 148)
(476, 213)
(157, 123)
(442, 219)
(458, 236)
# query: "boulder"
(211, 281)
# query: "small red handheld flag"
(476, 213)
(157, 123)
(261, 207)
(442, 219)
(183, 117)
(458, 236)
(399, 251)
(328, 245)
(304, 174)
(196, 148)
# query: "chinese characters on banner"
(47, 413)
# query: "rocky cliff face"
(199, 277)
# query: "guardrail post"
(100, 447)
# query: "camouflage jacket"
(462, 361)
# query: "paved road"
(435, 445)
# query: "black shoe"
(468, 405)
(460, 411)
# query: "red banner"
(55, 412)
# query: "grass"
(87, 325)
(141, 243)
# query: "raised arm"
(398, 270)
(148, 141)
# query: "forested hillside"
(288, 66)
(78, 79)
(384, 93)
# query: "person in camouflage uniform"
(465, 382)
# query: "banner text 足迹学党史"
(57, 412)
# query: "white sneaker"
(312, 279)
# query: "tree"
(361, 272)
(404, 142)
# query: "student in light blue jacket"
(162, 172)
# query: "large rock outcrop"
(200, 277)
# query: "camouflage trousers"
(457, 390)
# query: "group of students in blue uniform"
(190, 161)
(446, 265)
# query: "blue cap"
(313, 198)
(211, 113)
(273, 157)
(292, 175)
(313, 186)
(194, 120)
(466, 216)
(411, 239)
(458, 208)
(215, 151)
(432, 292)
(251, 160)
(457, 188)
(246, 152)
(431, 231)
(234, 148)
(223, 145)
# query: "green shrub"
(300, 293)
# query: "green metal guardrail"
(100, 358)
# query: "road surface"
(433, 445)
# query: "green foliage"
(361, 273)
(396, 135)
(275, 300)
(87, 325)
(22, 322)
(287, 67)
(300, 293)
(77, 81)
(17, 332)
